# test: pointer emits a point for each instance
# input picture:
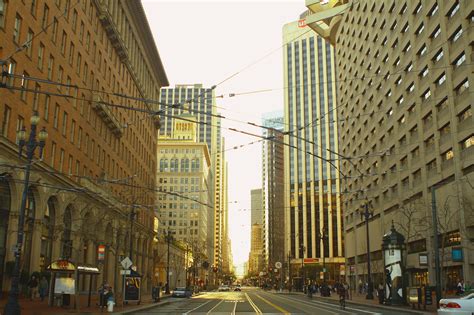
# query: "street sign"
(125, 272)
(126, 263)
(278, 264)
(101, 252)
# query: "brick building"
(72, 62)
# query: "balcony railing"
(107, 116)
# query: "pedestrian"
(380, 293)
(460, 288)
(43, 288)
(32, 287)
(102, 292)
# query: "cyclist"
(341, 290)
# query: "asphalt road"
(254, 301)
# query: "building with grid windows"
(273, 188)
(312, 180)
(405, 117)
(69, 61)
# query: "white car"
(224, 288)
(457, 306)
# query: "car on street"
(182, 292)
(237, 288)
(223, 288)
(457, 306)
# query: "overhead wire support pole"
(168, 239)
(434, 214)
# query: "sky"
(238, 42)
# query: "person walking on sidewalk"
(32, 287)
(43, 288)
(380, 293)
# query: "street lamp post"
(303, 249)
(168, 239)
(323, 236)
(12, 306)
(366, 214)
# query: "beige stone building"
(256, 258)
(99, 159)
(405, 119)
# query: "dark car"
(182, 292)
(237, 288)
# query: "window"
(454, 9)
(6, 121)
(61, 160)
(74, 21)
(426, 95)
(436, 32)
(54, 34)
(466, 114)
(36, 97)
(72, 131)
(44, 22)
(460, 60)
(411, 87)
(50, 67)
(433, 10)
(448, 155)
(420, 29)
(467, 143)
(24, 86)
(60, 76)
(81, 32)
(3, 9)
(409, 67)
(17, 29)
(405, 28)
(47, 100)
(456, 34)
(71, 53)
(441, 79)
(53, 153)
(78, 64)
(424, 72)
(422, 50)
(63, 43)
(462, 87)
(439, 55)
(64, 128)
(418, 8)
(20, 124)
(56, 116)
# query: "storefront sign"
(456, 254)
(423, 259)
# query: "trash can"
(110, 306)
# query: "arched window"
(5, 199)
(47, 232)
(66, 242)
(30, 211)
(165, 163)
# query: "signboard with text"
(131, 289)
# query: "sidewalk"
(37, 307)
(359, 299)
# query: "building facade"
(273, 178)
(312, 172)
(405, 109)
(184, 189)
(83, 189)
(200, 102)
(256, 260)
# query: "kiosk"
(393, 245)
(65, 278)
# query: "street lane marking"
(331, 305)
(255, 307)
(273, 305)
(197, 307)
(235, 306)
(214, 307)
(320, 307)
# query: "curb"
(144, 307)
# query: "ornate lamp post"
(366, 215)
(302, 250)
(12, 306)
(168, 240)
(323, 236)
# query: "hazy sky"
(208, 42)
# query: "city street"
(256, 301)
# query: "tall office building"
(199, 102)
(256, 212)
(71, 62)
(312, 181)
(256, 256)
(273, 178)
(405, 109)
(183, 170)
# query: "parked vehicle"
(457, 306)
(224, 288)
(182, 292)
